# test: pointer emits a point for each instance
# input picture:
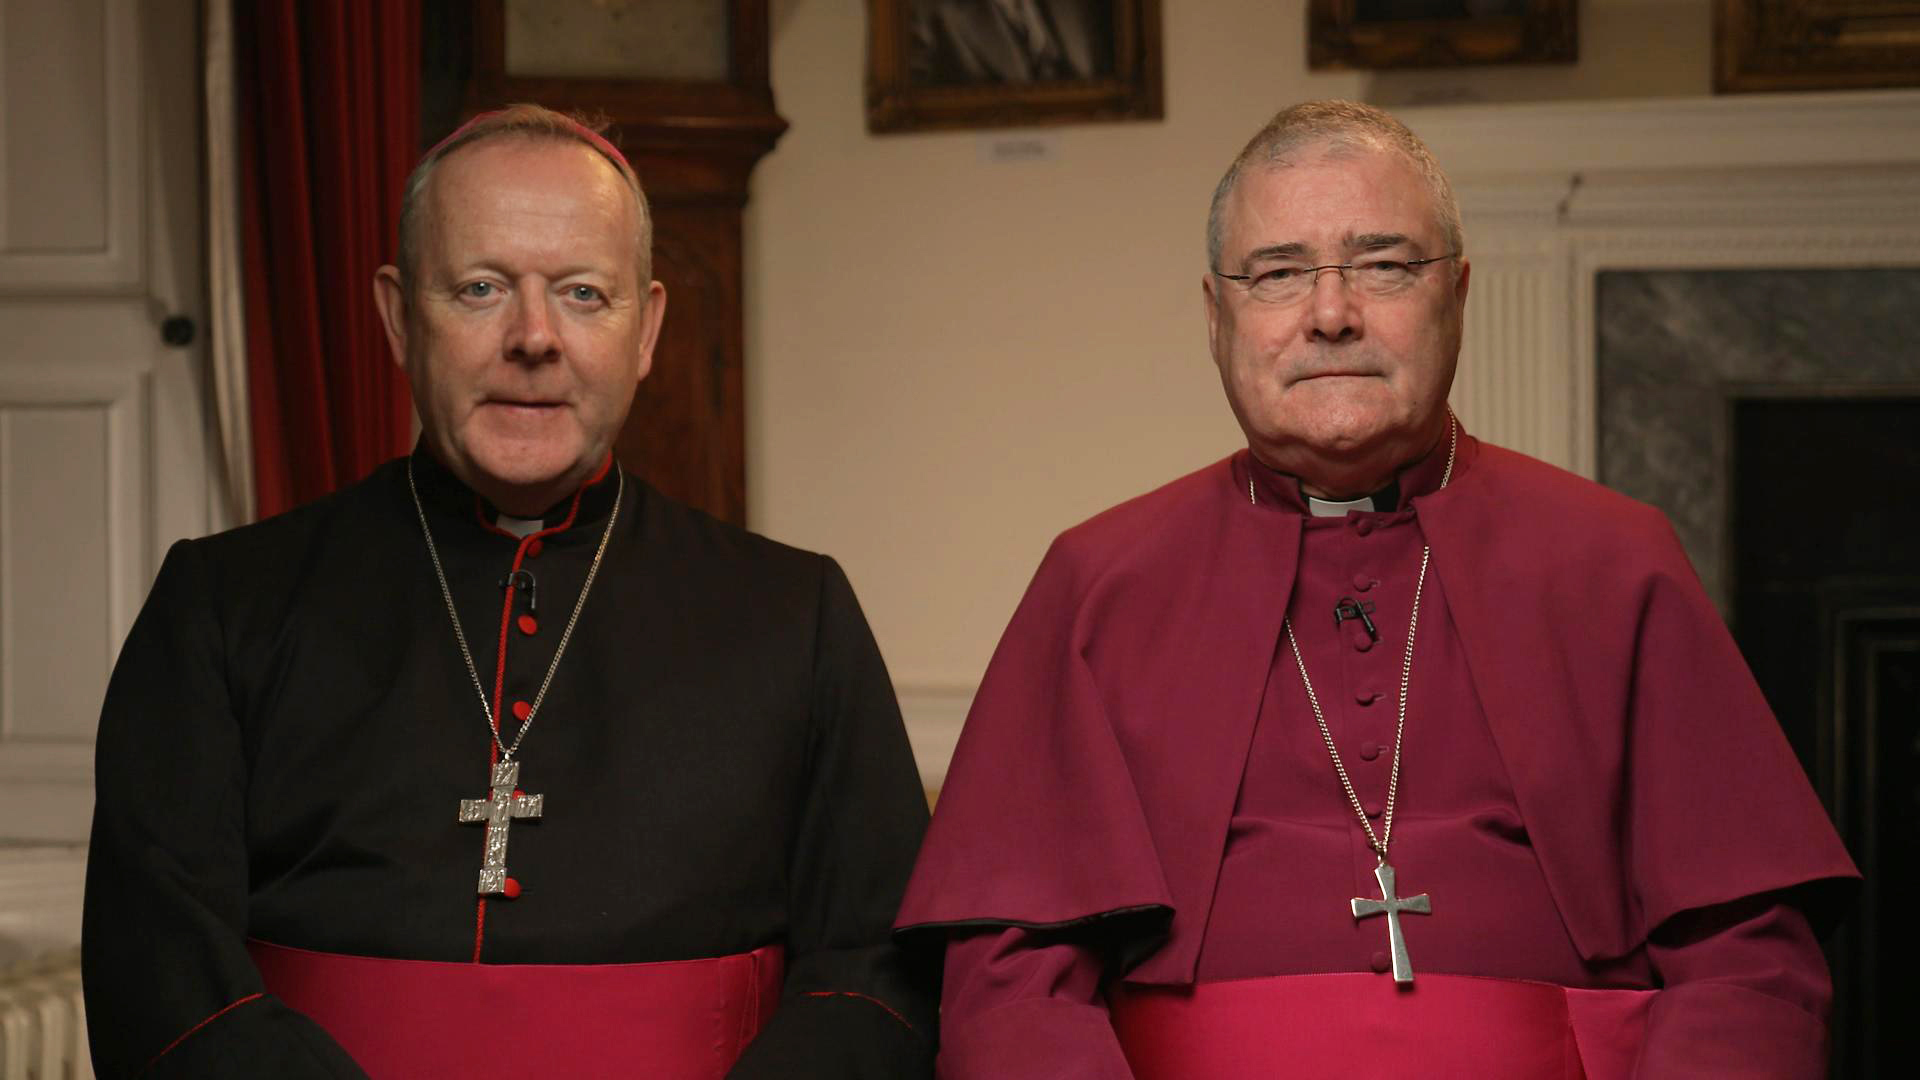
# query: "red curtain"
(329, 107)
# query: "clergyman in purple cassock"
(1372, 749)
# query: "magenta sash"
(1349, 1025)
(421, 1020)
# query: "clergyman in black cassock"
(286, 876)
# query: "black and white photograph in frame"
(934, 64)
(959, 42)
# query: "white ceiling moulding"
(1832, 128)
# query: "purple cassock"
(1145, 864)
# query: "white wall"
(951, 360)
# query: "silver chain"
(446, 593)
(1378, 842)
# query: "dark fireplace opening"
(1824, 539)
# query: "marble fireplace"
(1714, 306)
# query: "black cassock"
(290, 730)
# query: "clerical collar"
(444, 494)
(1280, 490)
(1384, 501)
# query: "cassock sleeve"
(170, 991)
(1020, 1004)
(1724, 829)
(1745, 993)
(855, 1005)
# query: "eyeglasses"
(1285, 283)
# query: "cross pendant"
(498, 811)
(1391, 906)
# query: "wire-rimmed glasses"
(1286, 283)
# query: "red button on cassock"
(535, 547)
(522, 710)
(1374, 809)
(1362, 582)
(1366, 695)
(1381, 962)
(511, 890)
(1369, 750)
(529, 625)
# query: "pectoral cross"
(498, 810)
(1391, 906)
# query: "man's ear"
(390, 296)
(1460, 283)
(653, 311)
(1209, 292)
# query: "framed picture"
(935, 64)
(1376, 34)
(1815, 44)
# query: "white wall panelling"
(102, 440)
(71, 190)
(74, 552)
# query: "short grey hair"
(1341, 127)
(525, 122)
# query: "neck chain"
(505, 801)
(1389, 903)
(493, 726)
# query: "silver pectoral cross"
(498, 810)
(1391, 906)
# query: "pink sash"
(1352, 1025)
(422, 1020)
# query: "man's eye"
(1279, 273)
(478, 290)
(1385, 268)
(586, 294)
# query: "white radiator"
(43, 1025)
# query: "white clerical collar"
(1333, 508)
(1386, 500)
(520, 527)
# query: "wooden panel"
(71, 181)
(687, 432)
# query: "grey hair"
(525, 122)
(1342, 127)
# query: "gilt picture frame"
(1771, 45)
(955, 64)
(1384, 34)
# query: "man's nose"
(1331, 313)
(530, 336)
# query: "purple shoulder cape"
(1093, 785)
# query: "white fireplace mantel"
(1552, 194)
